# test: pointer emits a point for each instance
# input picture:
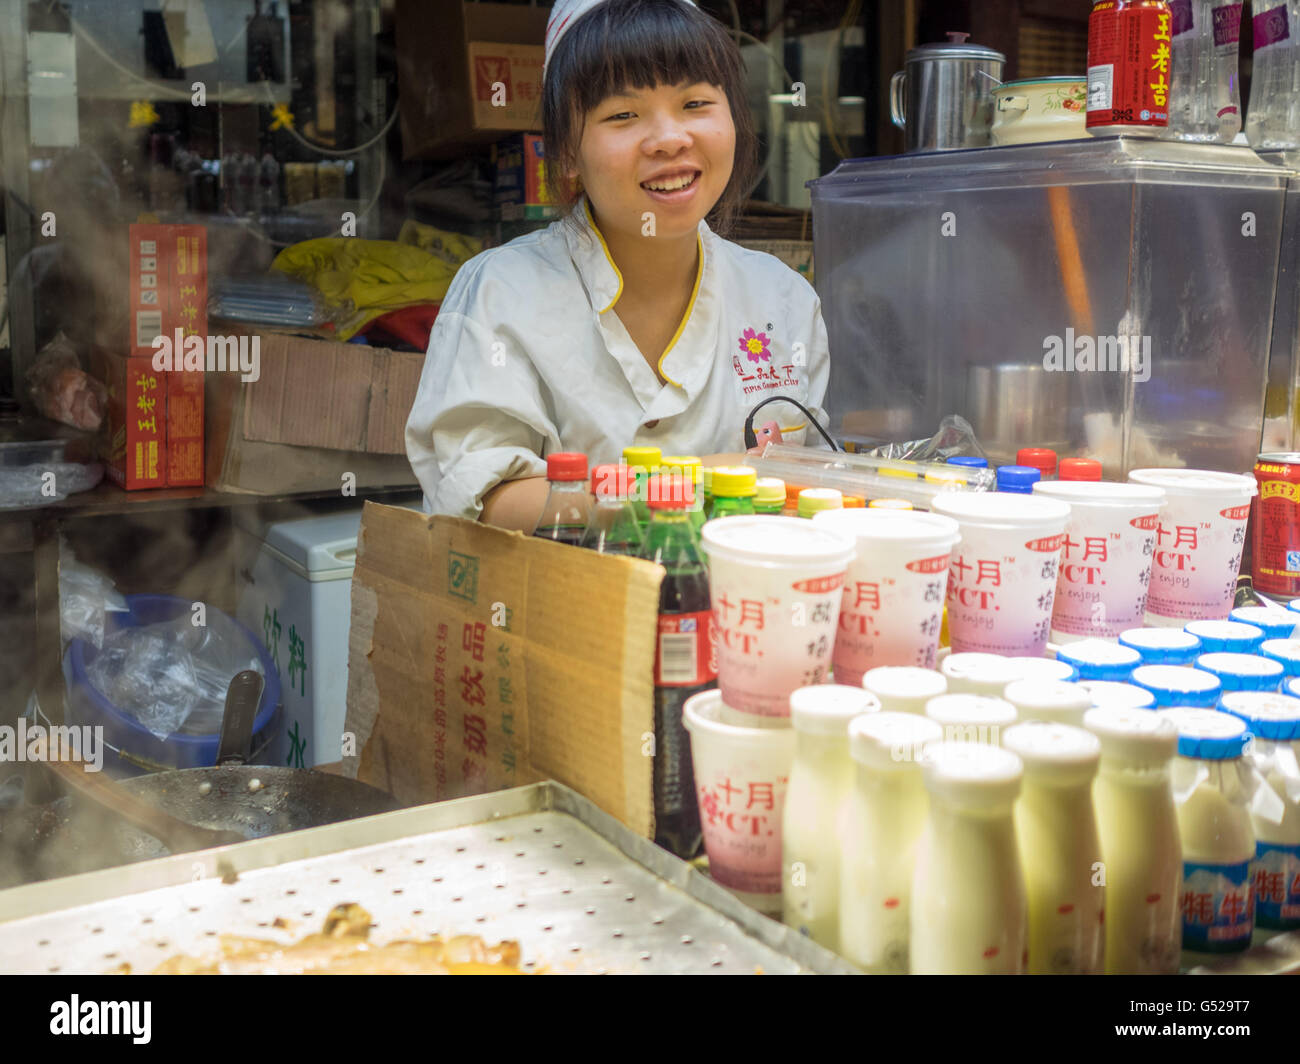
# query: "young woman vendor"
(628, 321)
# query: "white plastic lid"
(1062, 753)
(1195, 481)
(1043, 669)
(1281, 649)
(1170, 683)
(827, 708)
(1271, 716)
(1135, 736)
(981, 668)
(1159, 638)
(1088, 653)
(1102, 493)
(1118, 695)
(1053, 700)
(1230, 663)
(1209, 632)
(925, 531)
(768, 539)
(1266, 617)
(972, 773)
(974, 711)
(996, 509)
(702, 716)
(892, 740)
(903, 681)
(1207, 734)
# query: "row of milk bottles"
(1050, 848)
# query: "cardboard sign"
(481, 659)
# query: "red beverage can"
(1130, 46)
(1275, 525)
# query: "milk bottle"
(1213, 796)
(1059, 847)
(968, 892)
(882, 823)
(1138, 825)
(820, 781)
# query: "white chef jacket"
(527, 357)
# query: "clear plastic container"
(1273, 120)
(1204, 99)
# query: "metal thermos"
(942, 99)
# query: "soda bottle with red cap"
(1041, 458)
(567, 512)
(614, 528)
(684, 661)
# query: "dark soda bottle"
(568, 506)
(683, 659)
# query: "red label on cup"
(1047, 544)
(1148, 522)
(1236, 513)
(929, 565)
(820, 585)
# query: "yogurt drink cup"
(1060, 849)
(893, 590)
(882, 825)
(1004, 571)
(820, 782)
(776, 585)
(1199, 541)
(903, 688)
(1138, 826)
(741, 777)
(1101, 586)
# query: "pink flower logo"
(754, 344)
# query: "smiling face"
(667, 150)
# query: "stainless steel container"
(1012, 405)
(942, 99)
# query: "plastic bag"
(955, 437)
(174, 675)
(62, 390)
(85, 595)
(25, 487)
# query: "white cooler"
(297, 596)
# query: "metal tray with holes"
(539, 864)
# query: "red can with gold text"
(1129, 58)
(1275, 525)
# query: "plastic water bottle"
(1274, 117)
(1204, 94)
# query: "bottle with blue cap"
(1273, 621)
(1243, 672)
(1274, 720)
(969, 461)
(1232, 637)
(1179, 685)
(1284, 651)
(1100, 659)
(1162, 646)
(1018, 480)
(1107, 693)
(1210, 782)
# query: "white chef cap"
(563, 15)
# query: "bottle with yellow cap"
(769, 496)
(689, 467)
(644, 462)
(734, 488)
(815, 500)
(706, 482)
(890, 504)
(854, 502)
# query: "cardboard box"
(451, 56)
(134, 444)
(318, 410)
(481, 659)
(520, 175)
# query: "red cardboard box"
(135, 454)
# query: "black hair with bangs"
(623, 44)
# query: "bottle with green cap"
(734, 488)
(644, 463)
(769, 495)
(693, 469)
(815, 500)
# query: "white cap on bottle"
(1043, 669)
(978, 674)
(1062, 703)
(1054, 754)
(971, 718)
(904, 688)
(827, 708)
(1134, 736)
(892, 741)
(972, 774)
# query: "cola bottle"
(567, 512)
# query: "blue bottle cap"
(1100, 659)
(1207, 734)
(1106, 693)
(1294, 604)
(1243, 672)
(1178, 685)
(971, 461)
(1287, 651)
(1230, 636)
(1269, 715)
(1162, 646)
(1275, 623)
(1018, 479)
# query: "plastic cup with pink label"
(1199, 541)
(776, 584)
(892, 608)
(741, 776)
(1002, 578)
(1101, 585)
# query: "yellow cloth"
(367, 277)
